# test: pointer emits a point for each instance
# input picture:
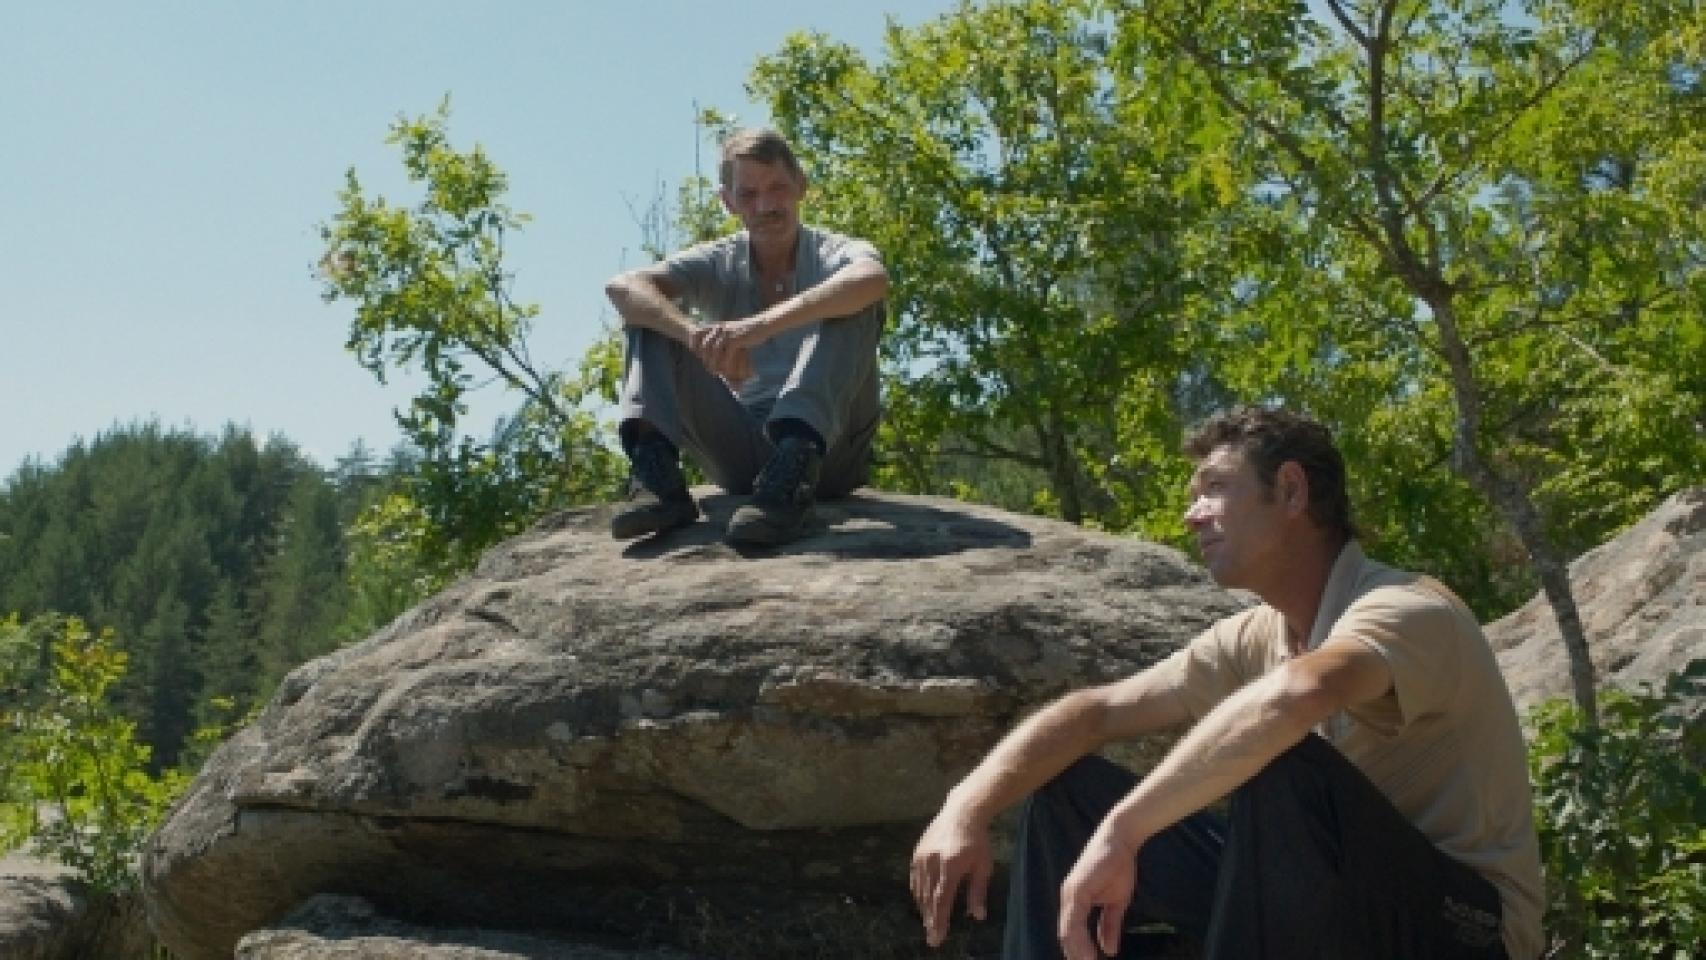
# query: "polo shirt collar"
(803, 242)
(1339, 593)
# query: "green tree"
(165, 537)
(431, 291)
(230, 657)
(392, 563)
(1436, 244)
(153, 591)
(697, 213)
(1031, 218)
(76, 780)
(301, 589)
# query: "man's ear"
(728, 200)
(1292, 484)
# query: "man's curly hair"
(1268, 438)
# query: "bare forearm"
(852, 289)
(1056, 736)
(1246, 732)
(1229, 746)
(641, 304)
(956, 846)
(1035, 752)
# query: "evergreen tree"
(182, 545)
(302, 586)
(230, 657)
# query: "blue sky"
(163, 167)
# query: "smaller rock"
(39, 905)
(46, 913)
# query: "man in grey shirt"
(755, 353)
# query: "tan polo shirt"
(1444, 745)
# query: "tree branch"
(1287, 142)
(989, 449)
(1345, 21)
(1448, 176)
(1392, 214)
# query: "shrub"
(1621, 811)
(75, 779)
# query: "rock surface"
(637, 739)
(39, 907)
(47, 914)
(1642, 598)
(348, 928)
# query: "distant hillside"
(218, 561)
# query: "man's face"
(1239, 524)
(766, 199)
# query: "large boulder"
(1642, 598)
(632, 739)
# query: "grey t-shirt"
(718, 282)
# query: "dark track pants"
(1311, 861)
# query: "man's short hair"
(761, 144)
(1268, 438)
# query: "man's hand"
(952, 849)
(717, 344)
(1105, 876)
(738, 370)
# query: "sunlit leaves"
(1530, 173)
(1031, 228)
(431, 293)
(73, 776)
(1620, 810)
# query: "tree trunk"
(1062, 470)
(1510, 499)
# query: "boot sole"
(761, 531)
(628, 526)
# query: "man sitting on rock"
(1379, 796)
(775, 393)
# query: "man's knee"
(1308, 767)
(1086, 790)
(1301, 796)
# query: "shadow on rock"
(865, 526)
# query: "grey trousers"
(833, 387)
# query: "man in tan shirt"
(1379, 798)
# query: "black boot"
(781, 496)
(657, 492)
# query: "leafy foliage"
(431, 293)
(1479, 217)
(217, 561)
(697, 214)
(1033, 238)
(1463, 234)
(73, 775)
(1622, 816)
(391, 563)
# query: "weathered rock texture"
(47, 914)
(39, 907)
(1643, 601)
(348, 928)
(636, 738)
